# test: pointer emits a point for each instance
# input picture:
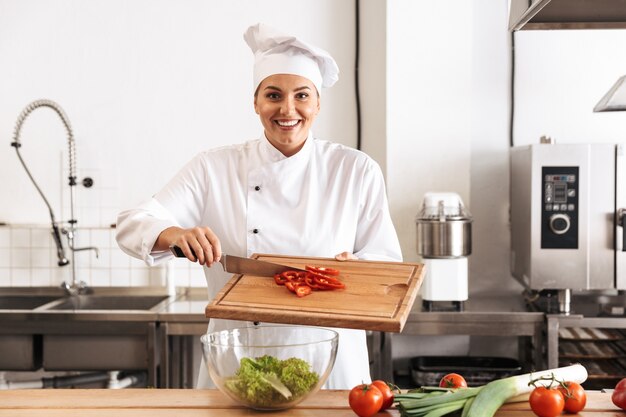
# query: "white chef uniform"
(324, 200)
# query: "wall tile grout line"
(41, 269)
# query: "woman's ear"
(256, 108)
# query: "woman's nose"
(288, 106)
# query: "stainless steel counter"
(168, 330)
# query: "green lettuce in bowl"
(270, 367)
(267, 381)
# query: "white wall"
(146, 85)
(561, 76)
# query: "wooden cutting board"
(378, 296)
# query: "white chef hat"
(278, 53)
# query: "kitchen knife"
(239, 265)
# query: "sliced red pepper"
(290, 275)
(326, 282)
(303, 283)
(310, 281)
(303, 290)
(280, 280)
(322, 270)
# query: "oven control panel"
(559, 207)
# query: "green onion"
(467, 406)
(434, 403)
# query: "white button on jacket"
(324, 200)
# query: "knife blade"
(239, 265)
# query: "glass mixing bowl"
(270, 367)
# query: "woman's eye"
(302, 96)
(272, 96)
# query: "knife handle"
(178, 252)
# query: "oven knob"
(559, 223)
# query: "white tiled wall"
(28, 259)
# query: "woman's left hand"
(346, 256)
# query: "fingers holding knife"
(199, 244)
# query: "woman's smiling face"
(287, 105)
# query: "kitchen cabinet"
(61, 343)
(181, 324)
(192, 403)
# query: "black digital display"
(559, 207)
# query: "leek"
(495, 393)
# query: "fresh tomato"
(546, 402)
(575, 396)
(619, 395)
(453, 381)
(322, 270)
(387, 391)
(365, 400)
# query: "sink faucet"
(75, 287)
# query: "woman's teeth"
(287, 123)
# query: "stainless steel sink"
(109, 302)
(111, 328)
(24, 302)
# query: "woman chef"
(283, 193)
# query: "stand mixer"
(444, 240)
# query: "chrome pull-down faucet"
(74, 287)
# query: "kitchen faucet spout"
(70, 231)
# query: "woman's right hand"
(204, 243)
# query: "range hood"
(567, 14)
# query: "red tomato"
(619, 395)
(575, 396)
(387, 392)
(365, 400)
(453, 381)
(546, 402)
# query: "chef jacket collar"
(274, 155)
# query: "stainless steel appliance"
(567, 215)
(444, 240)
